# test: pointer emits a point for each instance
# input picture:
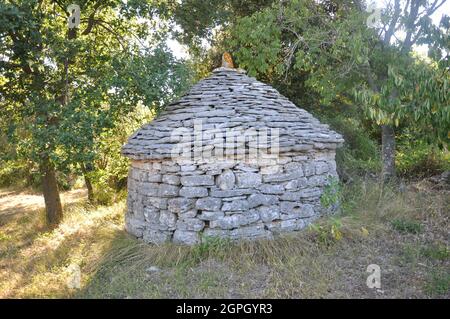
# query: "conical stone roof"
(229, 99)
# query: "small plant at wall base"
(329, 233)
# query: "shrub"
(416, 158)
(360, 153)
(332, 195)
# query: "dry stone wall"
(168, 201)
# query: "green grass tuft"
(407, 226)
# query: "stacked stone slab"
(234, 197)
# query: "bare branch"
(393, 23)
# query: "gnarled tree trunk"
(388, 152)
(53, 206)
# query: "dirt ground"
(16, 201)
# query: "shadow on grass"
(35, 257)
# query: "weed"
(438, 283)
(407, 226)
(4, 237)
(329, 233)
(437, 252)
(210, 246)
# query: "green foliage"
(436, 252)
(360, 153)
(415, 94)
(328, 234)
(4, 237)
(420, 159)
(199, 19)
(342, 59)
(111, 171)
(438, 283)
(332, 194)
(407, 226)
(337, 50)
(210, 246)
(259, 41)
(64, 91)
(11, 172)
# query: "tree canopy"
(62, 87)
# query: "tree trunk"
(90, 189)
(388, 152)
(51, 193)
(87, 181)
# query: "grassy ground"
(405, 233)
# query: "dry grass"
(327, 261)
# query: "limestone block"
(135, 226)
(304, 193)
(209, 204)
(148, 189)
(309, 169)
(170, 168)
(191, 224)
(296, 184)
(236, 205)
(271, 189)
(255, 200)
(247, 168)
(171, 179)
(197, 180)
(188, 168)
(153, 178)
(216, 232)
(269, 213)
(188, 214)
(191, 192)
(208, 215)
(180, 204)
(167, 218)
(321, 167)
(256, 231)
(235, 220)
(151, 213)
(283, 177)
(291, 210)
(226, 180)
(155, 236)
(317, 180)
(231, 193)
(273, 169)
(248, 180)
(293, 167)
(186, 237)
(158, 202)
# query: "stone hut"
(232, 158)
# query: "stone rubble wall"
(183, 203)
